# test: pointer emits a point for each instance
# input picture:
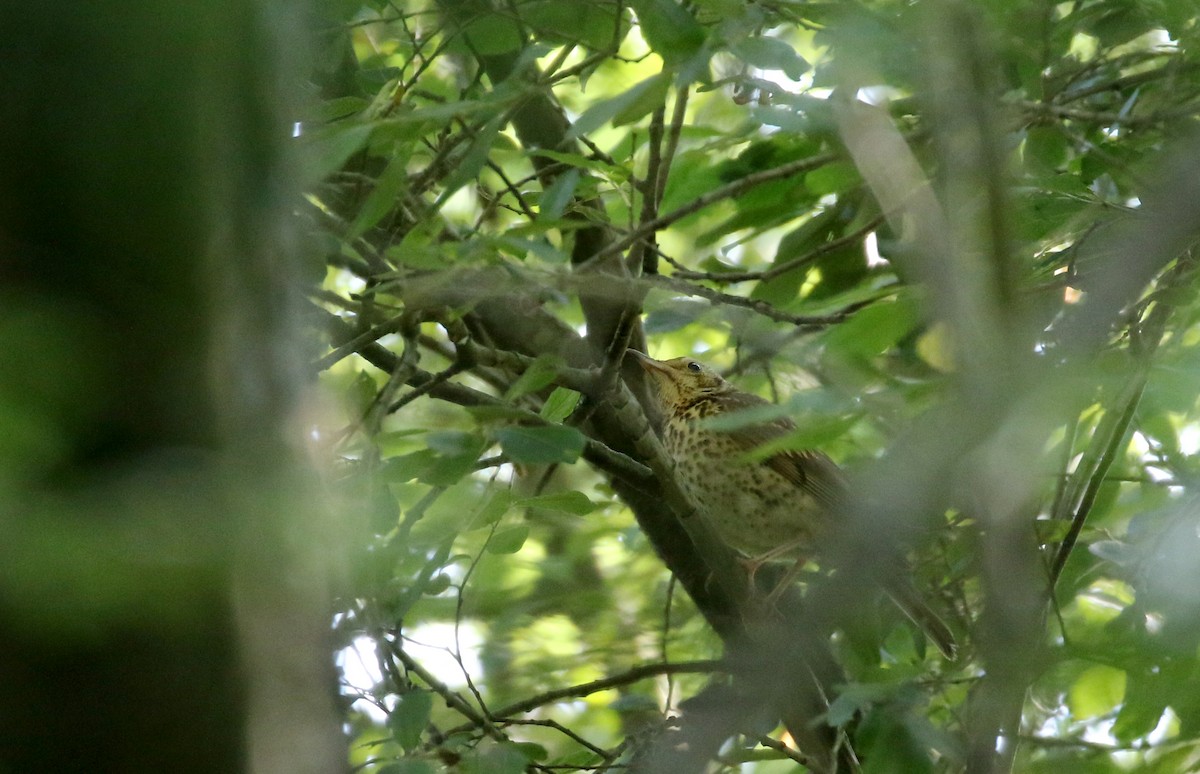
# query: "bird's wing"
(813, 472)
(808, 469)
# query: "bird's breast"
(751, 506)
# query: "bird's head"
(681, 381)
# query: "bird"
(775, 508)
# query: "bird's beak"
(648, 363)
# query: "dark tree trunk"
(144, 624)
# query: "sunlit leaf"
(560, 404)
(873, 329)
(1096, 692)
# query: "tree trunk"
(153, 613)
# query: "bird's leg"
(786, 581)
(755, 563)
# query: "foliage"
(951, 239)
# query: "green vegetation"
(951, 239)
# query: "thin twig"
(559, 727)
(781, 268)
(633, 675)
(452, 699)
(809, 321)
(1116, 432)
(791, 752)
(609, 460)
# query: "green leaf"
(452, 442)
(873, 329)
(396, 442)
(1044, 150)
(813, 434)
(437, 584)
(493, 33)
(692, 175)
(1096, 692)
(493, 510)
(837, 177)
(503, 758)
(540, 373)
(508, 540)
(768, 53)
(1121, 22)
(587, 23)
(628, 106)
(407, 467)
(1145, 701)
(599, 166)
(755, 415)
(670, 29)
(340, 107)
(327, 150)
(558, 195)
(409, 766)
(533, 752)
(467, 168)
(497, 413)
(783, 289)
(457, 454)
(382, 198)
(449, 470)
(854, 699)
(410, 717)
(522, 248)
(575, 503)
(560, 404)
(541, 445)
(886, 735)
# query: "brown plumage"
(776, 508)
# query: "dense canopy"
(951, 240)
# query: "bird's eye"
(693, 366)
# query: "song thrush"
(776, 508)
